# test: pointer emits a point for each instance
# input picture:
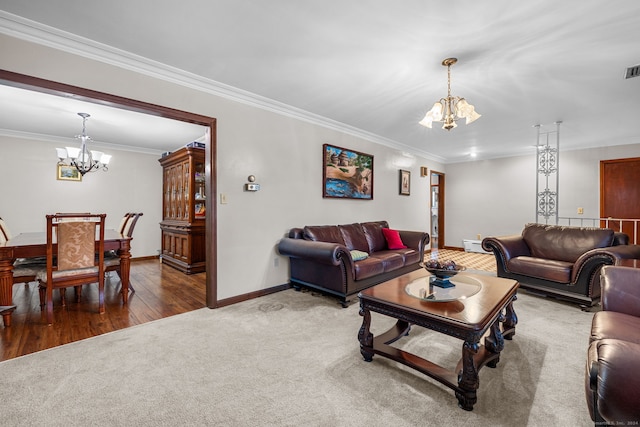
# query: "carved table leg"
(364, 335)
(511, 320)
(495, 341)
(125, 266)
(6, 288)
(468, 380)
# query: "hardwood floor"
(161, 291)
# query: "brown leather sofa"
(321, 259)
(558, 261)
(612, 377)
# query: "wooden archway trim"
(37, 84)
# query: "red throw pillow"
(393, 238)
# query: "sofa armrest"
(613, 380)
(506, 247)
(620, 289)
(417, 240)
(621, 252)
(322, 252)
(612, 255)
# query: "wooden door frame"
(603, 187)
(24, 81)
(441, 196)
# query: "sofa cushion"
(411, 256)
(564, 243)
(368, 268)
(374, 236)
(323, 233)
(611, 324)
(353, 236)
(390, 259)
(393, 239)
(557, 271)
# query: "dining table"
(34, 244)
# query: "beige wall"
(30, 190)
(497, 197)
(285, 155)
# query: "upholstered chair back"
(76, 245)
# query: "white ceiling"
(375, 65)
(27, 113)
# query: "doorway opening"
(436, 204)
(60, 89)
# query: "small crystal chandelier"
(82, 158)
(451, 108)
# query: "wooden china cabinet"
(183, 210)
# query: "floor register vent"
(632, 72)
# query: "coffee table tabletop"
(469, 318)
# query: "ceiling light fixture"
(82, 158)
(451, 108)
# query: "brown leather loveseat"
(612, 378)
(560, 261)
(327, 257)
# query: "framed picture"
(346, 174)
(68, 173)
(405, 182)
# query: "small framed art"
(405, 183)
(68, 173)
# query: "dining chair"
(112, 259)
(127, 230)
(5, 235)
(74, 262)
(124, 221)
(25, 270)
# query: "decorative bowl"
(442, 275)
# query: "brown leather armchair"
(612, 377)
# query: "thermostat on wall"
(251, 185)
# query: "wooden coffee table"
(482, 305)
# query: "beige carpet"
(292, 359)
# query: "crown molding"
(35, 32)
(63, 142)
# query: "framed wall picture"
(405, 183)
(346, 174)
(68, 173)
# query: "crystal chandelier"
(82, 158)
(451, 108)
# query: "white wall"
(30, 190)
(497, 197)
(285, 155)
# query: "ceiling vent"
(632, 72)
